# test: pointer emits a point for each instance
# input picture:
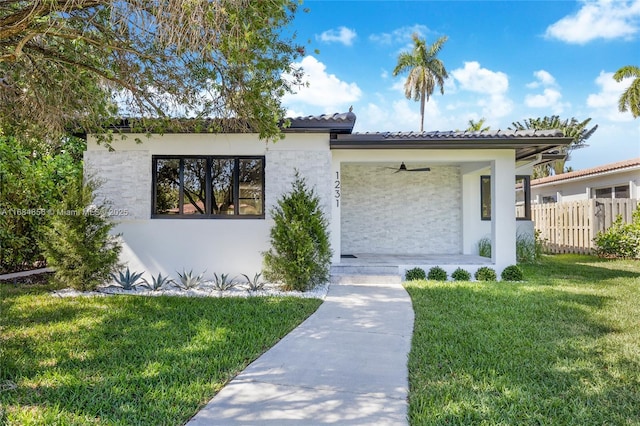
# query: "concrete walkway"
(345, 365)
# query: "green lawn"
(562, 348)
(128, 360)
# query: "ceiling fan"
(403, 168)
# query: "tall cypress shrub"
(300, 255)
(78, 244)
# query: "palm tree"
(630, 98)
(577, 130)
(425, 71)
(477, 126)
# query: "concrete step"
(337, 279)
(364, 270)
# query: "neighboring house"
(202, 200)
(615, 180)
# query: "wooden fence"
(570, 227)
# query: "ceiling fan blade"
(422, 169)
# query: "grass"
(562, 348)
(128, 360)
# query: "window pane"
(622, 191)
(603, 193)
(194, 186)
(485, 195)
(222, 185)
(523, 207)
(250, 179)
(167, 186)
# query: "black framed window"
(208, 187)
(523, 197)
(485, 197)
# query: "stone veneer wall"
(407, 212)
(126, 181)
(314, 166)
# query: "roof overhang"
(327, 123)
(528, 144)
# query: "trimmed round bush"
(485, 273)
(437, 274)
(415, 274)
(461, 275)
(512, 273)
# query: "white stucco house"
(613, 180)
(201, 201)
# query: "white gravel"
(206, 289)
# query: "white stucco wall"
(580, 188)
(408, 212)
(231, 246)
(432, 212)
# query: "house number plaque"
(336, 189)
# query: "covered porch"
(393, 221)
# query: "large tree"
(577, 130)
(81, 62)
(630, 98)
(425, 70)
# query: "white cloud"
(324, 90)
(342, 35)
(491, 85)
(481, 80)
(399, 115)
(547, 99)
(543, 78)
(607, 19)
(550, 98)
(399, 35)
(605, 103)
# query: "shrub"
(255, 283)
(300, 255)
(157, 282)
(127, 280)
(461, 275)
(33, 179)
(620, 239)
(485, 273)
(77, 245)
(528, 248)
(437, 274)
(512, 273)
(484, 247)
(222, 282)
(188, 280)
(415, 274)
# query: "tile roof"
(528, 144)
(337, 123)
(487, 134)
(626, 164)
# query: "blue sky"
(507, 61)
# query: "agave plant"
(188, 280)
(157, 282)
(127, 280)
(254, 284)
(222, 282)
